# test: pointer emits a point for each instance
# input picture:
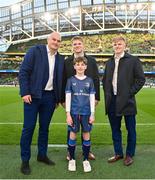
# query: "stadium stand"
(137, 43)
(26, 26)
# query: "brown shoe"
(68, 158)
(115, 158)
(91, 156)
(128, 161)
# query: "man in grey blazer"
(123, 78)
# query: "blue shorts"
(82, 120)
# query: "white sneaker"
(86, 166)
(72, 165)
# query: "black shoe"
(45, 160)
(25, 168)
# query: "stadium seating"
(137, 43)
(13, 65)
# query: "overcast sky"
(8, 2)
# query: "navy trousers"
(44, 108)
(115, 123)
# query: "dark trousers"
(43, 107)
(115, 123)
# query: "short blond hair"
(119, 38)
(77, 38)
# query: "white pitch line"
(96, 124)
(57, 145)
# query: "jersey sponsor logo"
(81, 94)
(87, 84)
(74, 84)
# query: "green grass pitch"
(11, 118)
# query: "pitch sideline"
(95, 124)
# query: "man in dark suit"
(40, 79)
(123, 78)
(91, 71)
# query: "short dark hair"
(80, 59)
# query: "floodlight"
(132, 7)
(139, 6)
(123, 7)
(72, 11)
(97, 8)
(47, 16)
(76, 10)
(15, 8)
(153, 6)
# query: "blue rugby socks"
(71, 148)
(86, 148)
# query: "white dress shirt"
(115, 74)
(51, 61)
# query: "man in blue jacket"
(40, 79)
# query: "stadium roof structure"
(36, 19)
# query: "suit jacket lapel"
(45, 65)
(56, 66)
